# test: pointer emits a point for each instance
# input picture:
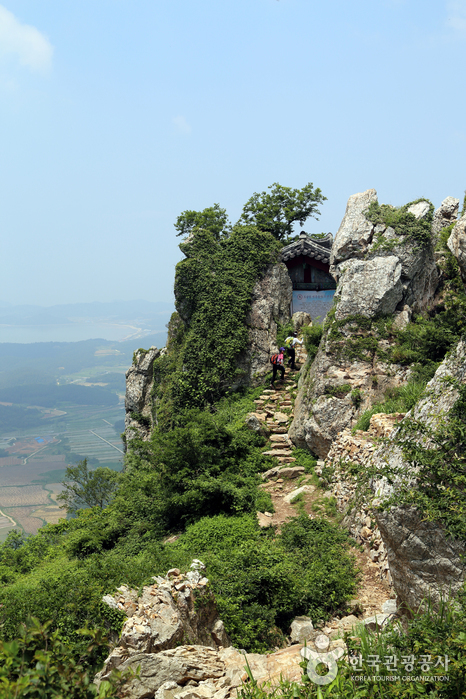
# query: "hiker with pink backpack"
(277, 362)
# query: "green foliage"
(430, 633)
(39, 665)
(284, 331)
(213, 219)
(276, 212)
(199, 468)
(261, 583)
(142, 419)
(439, 460)
(406, 226)
(338, 391)
(397, 400)
(306, 459)
(356, 397)
(312, 336)
(85, 488)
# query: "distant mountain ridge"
(113, 310)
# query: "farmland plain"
(39, 440)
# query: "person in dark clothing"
(277, 365)
(290, 343)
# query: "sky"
(117, 115)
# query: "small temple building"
(308, 262)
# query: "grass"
(398, 400)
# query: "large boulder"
(457, 244)
(370, 288)
(444, 216)
(138, 405)
(379, 273)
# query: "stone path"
(284, 481)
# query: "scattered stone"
(389, 607)
(294, 493)
(291, 472)
(302, 629)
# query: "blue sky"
(116, 116)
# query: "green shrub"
(406, 226)
(429, 633)
(398, 400)
(312, 335)
(261, 583)
(38, 664)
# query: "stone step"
(276, 429)
(279, 438)
(286, 459)
(291, 472)
(281, 417)
(277, 452)
(281, 445)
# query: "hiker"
(277, 364)
(290, 342)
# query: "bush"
(398, 400)
(261, 583)
(312, 335)
(38, 664)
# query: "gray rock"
(457, 245)
(294, 493)
(369, 287)
(423, 560)
(178, 665)
(389, 607)
(445, 215)
(300, 319)
(271, 299)
(419, 210)
(291, 471)
(398, 278)
(302, 630)
(376, 622)
(355, 232)
(253, 423)
(139, 382)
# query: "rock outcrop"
(424, 560)
(444, 216)
(414, 554)
(457, 245)
(379, 274)
(179, 648)
(271, 299)
(139, 382)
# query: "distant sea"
(68, 332)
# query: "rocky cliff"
(384, 276)
(271, 301)
(138, 401)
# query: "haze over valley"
(63, 401)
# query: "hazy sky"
(116, 115)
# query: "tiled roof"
(308, 246)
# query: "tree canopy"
(213, 219)
(273, 212)
(85, 488)
(276, 211)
